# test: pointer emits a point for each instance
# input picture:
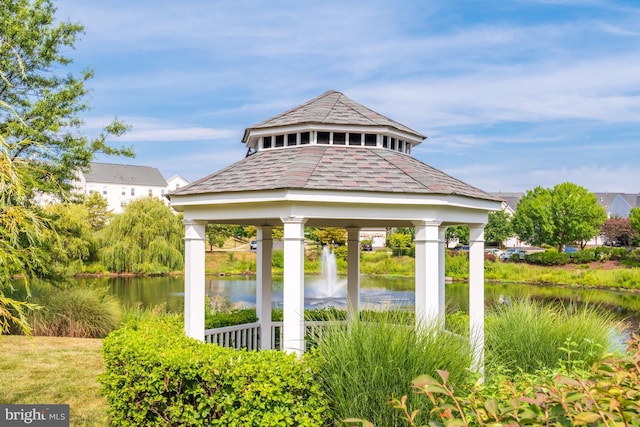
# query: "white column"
(293, 293)
(194, 250)
(429, 288)
(264, 284)
(441, 281)
(353, 272)
(476, 295)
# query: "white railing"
(237, 336)
(248, 335)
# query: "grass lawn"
(52, 370)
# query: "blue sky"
(511, 94)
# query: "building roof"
(111, 173)
(330, 167)
(333, 108)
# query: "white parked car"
(512, 252)
(493, 251)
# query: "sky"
(511, 94)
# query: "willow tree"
(146, 238)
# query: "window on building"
(408, 149)
(370, 139)
(355, 139)
(280, 141)
(124, 191)
(292, 139)
(385, 142)
(151, 192)
(339, 138)
(323, 137)
(266, 142)
(401, 146)
(393, 144)
(104, 190)
(305, 137)
(162, 192)
(133, 191)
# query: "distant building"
(120, 184)
(176, 182)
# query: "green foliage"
(604, 394)
(498, 228)
(48, 98)
(527, 336)
(457, 232)
(146, 238)
(456, 264)
(549, 257)
(277, 258)
(217, 234)
(583, 256)
(235, 317)
(634, 219)
(565, 214)
(98, 215)
(70, 239)
(399, 240)
(329, 236)
(156, 376)
(40, 148)
(363, 364)
(81, 312)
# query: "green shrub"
(232, 318)
(156, 376)
(528, 335)
(456, 264)
(277, 258)
(362, 365)
(583, 256)
(548, 257)
(83, 312)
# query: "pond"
(376, 292)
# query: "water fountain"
(328, 289)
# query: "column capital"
(194, 229)
(293, 220)
(427, 223)
(194, 222)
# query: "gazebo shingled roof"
(326, 167)
(331, 107)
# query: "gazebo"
(332, 162)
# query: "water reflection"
(375, 292)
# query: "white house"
(120, 184)
(176, 182)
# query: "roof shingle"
(331, 107)
(330, 167)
